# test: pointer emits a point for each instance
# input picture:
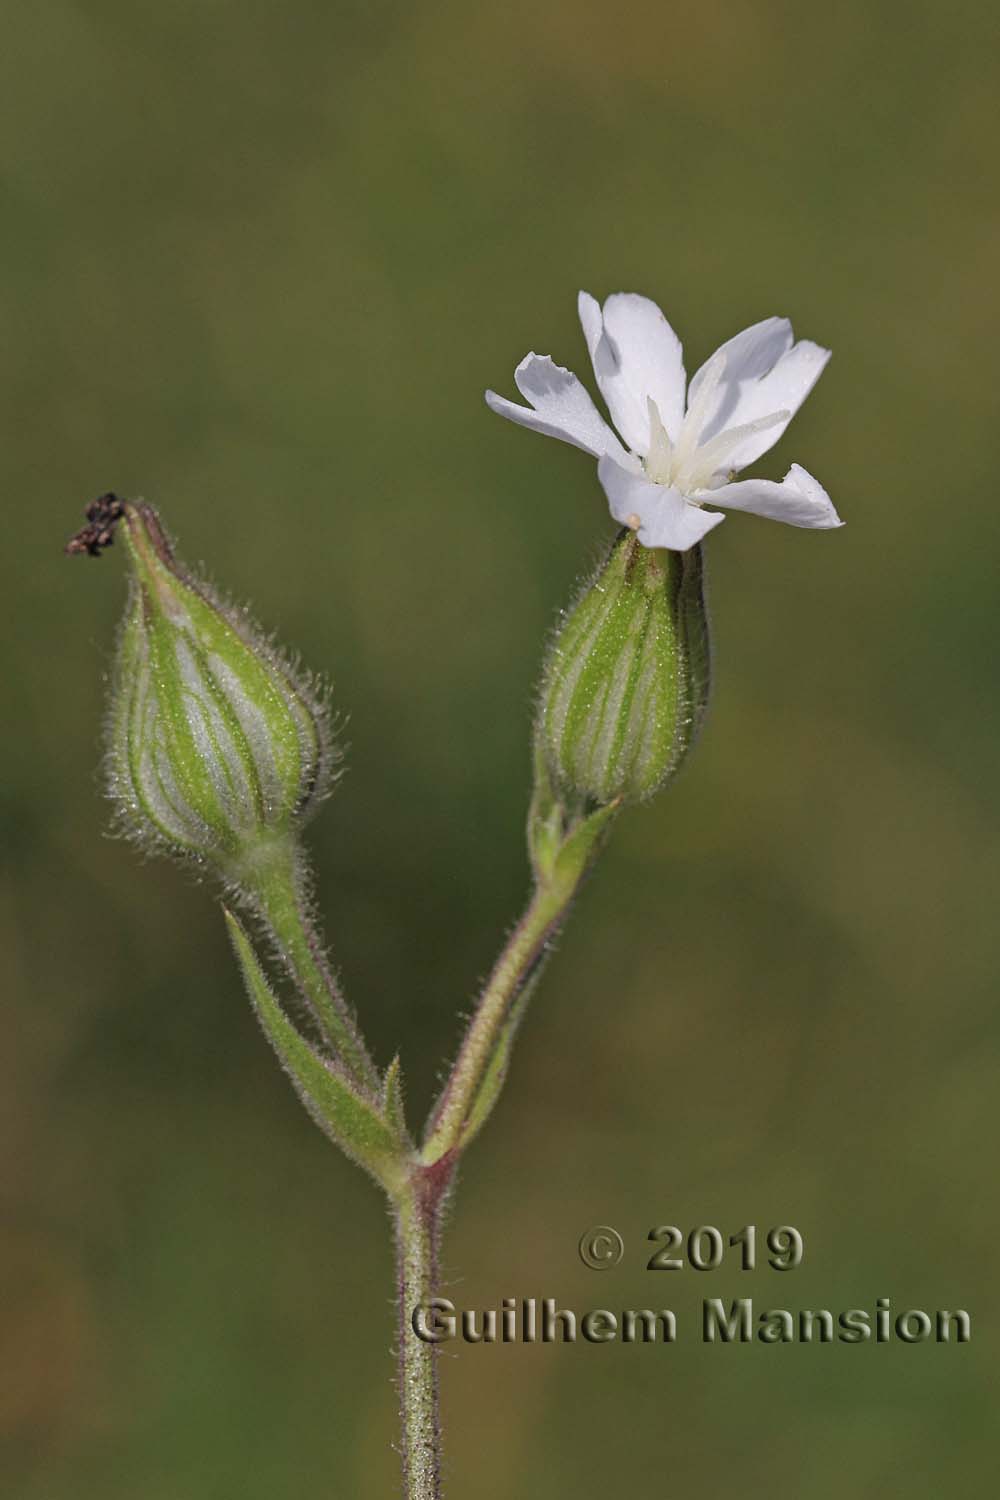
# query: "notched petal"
(560, 406)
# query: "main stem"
(418, 1228)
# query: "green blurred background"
(260, 262)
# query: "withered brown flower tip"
(103, 514)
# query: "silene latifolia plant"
(219, 750)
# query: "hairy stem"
(281, 902)
(517, 965)
(418, 1227)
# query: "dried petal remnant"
(103, 515)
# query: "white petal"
(562, 407)
(799, 499)
(751, 354)
(765, 372)
(635, 354)
(666, 519)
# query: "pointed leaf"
(392, 1099)
(495, 1076)
(583, 842)
(546, 818)
(333, 1100)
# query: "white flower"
(676, 462)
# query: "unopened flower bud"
(217, 750)
(626, 682)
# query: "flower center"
(689, 464)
